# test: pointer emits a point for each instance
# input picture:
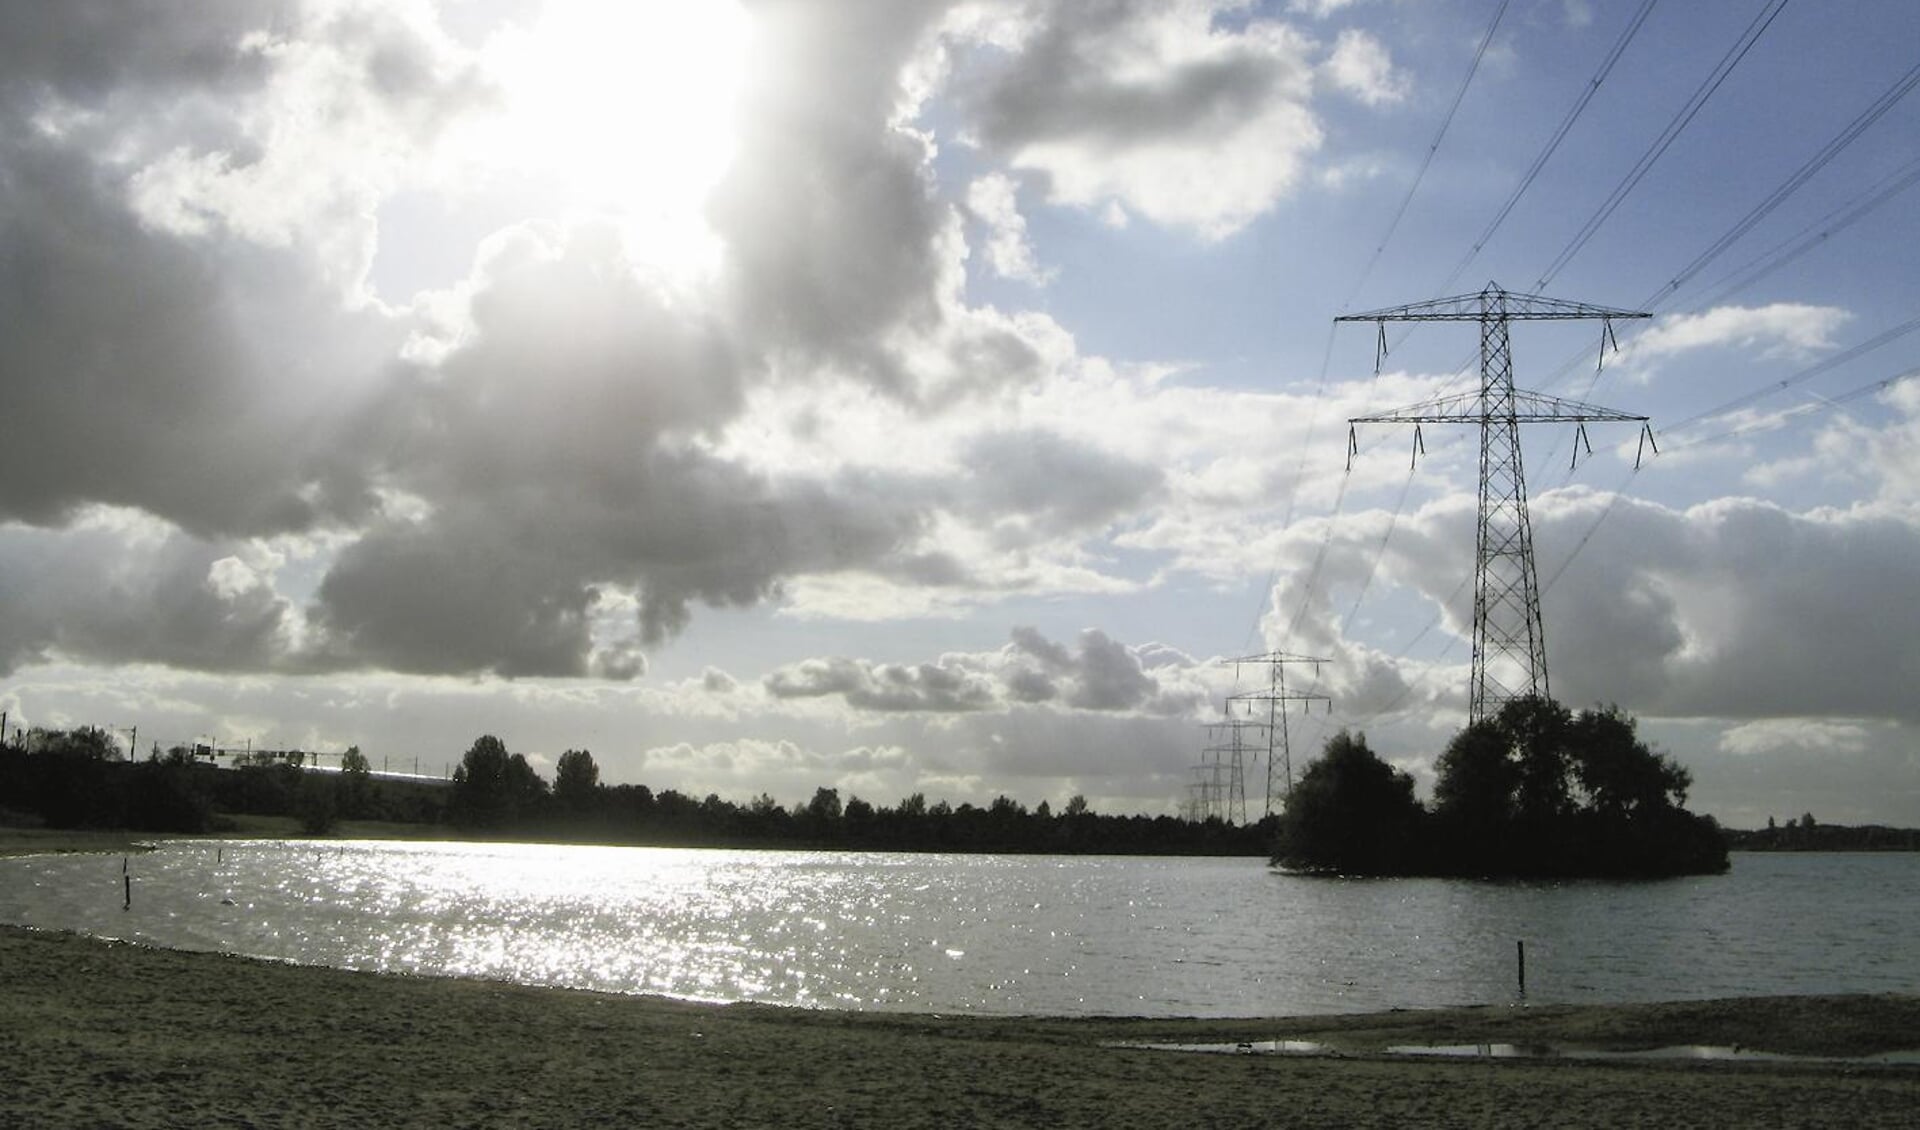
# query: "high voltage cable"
(1800, 176)
(1782, 254)
(1743, 277)
(1320, 557)
(1432, 149)
(1825, 404)
(1814, 234)
(1838, 359)
(1553, 143)
(1379, 553)
(1661, 144)
(1293, 491)
(1539, 162)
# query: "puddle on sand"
(1244, 1047)
(1713, 1052)
(1717, 1052)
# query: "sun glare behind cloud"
(625, 111)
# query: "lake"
(1065, 935)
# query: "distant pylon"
(1509, 645)
(1227, 793)
(1277, 696)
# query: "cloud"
(1142, 104)
(833, 235)
(1811, 734)
(1320, 9)
(886, 687)
(119, 587)
(994, 203)
(1781, 330)
(1360, 65)
(1734, 609)
(1099, 674)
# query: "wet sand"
(94, 1033)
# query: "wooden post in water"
(126, 881)
(1520, 951)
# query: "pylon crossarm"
(1470, 408)
(1277, 657)
(1492, 304)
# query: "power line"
(1800, 176)
(1814, 234)
(1811, 371)
(1445, 123)
(1553, 143)
(1667, 137)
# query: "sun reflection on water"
(984, 934)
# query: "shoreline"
(100, 1032)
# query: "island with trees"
(1536, 791)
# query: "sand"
(94, 1033)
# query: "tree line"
(495, 792)
(78, 779)
(1535, 791)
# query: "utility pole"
(1509, 646)
(1277, 696)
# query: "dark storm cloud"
(885, 687)
(508, 468)
(1063, 85)
(1100, 674)
(1734, 609)
(200, 376)
(828, 213)
(154, 375)
(1741, 609)
(1055, 484)
(123, 593)
(89, 50)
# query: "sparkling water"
(1064, 935)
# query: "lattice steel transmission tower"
(1509, 647)
(1277, 696)
(1220, 780)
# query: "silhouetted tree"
(1538, 790)
(356, 784)
(576, 780)
(1351, 813)
(492, 787)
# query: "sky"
(930, 397)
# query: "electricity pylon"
(1223, 783)
(1277, 696)
(1509, 647)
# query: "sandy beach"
(105, 1034)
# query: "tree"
(576, 780)
(356, 783)
(1620, 776)
(1477, 778)
(1351, 813)
(1538, 790)
(487, 786)
(825, 805)
(319, 806)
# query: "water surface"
(1069, 935)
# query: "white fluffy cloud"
(994, 203)
(1141, 105)
(1360, 65)
(1781, 329)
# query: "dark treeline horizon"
(79, 779)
